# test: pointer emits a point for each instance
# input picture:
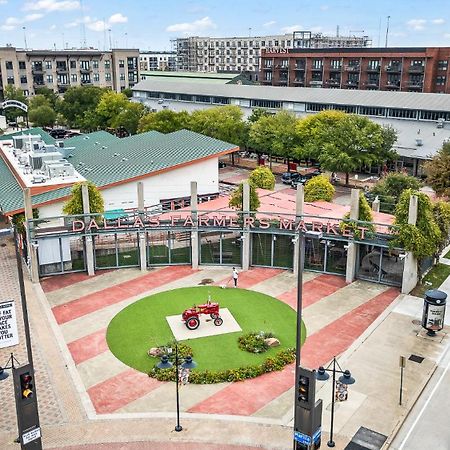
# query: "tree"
(12, 93)
(129, 117)
(42, 116)
(423, 239)
(224, 123)
(127, 92)
(344, 142)
(38, 101)
(236, 199)
(79, 105)
(256, 114)
(262, 177)
(438, 171)
(165, 121)
(319, 188)
(74, 204)
(274, 134)
(111, 104)
(441, 214)
(364, 215)
(50, 95)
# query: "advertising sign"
(9, 335)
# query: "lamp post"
(186, 363)
(345, 378)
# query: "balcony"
(299, 81)
(394, 68)
(86, 82)
(37, 70)
(352, 84)
(416, 69)
(353, 68)
(267, 67)
(336, 69)
(84, 70)
(334, 83)
(300, 67)
(317, 69)
(316, 83)
(372, 83)
(60, 70)
(373, 69)
(394, 85)
(416, 85)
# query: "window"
(107, 64)
(85, 78)
(107, 76)
(49, 79)
(284, 63)
(73, 64)
(186, 98)
(440, 80)
(96, 77)
(9, 65)
(442, 64)
(317, 64)
(10, 80)
(63, 79)
(417, 63)
(371, 111)
(276, 43)
(265, 104)
(263, 43)
(122, 77)
(335, 64)
(95, 64)
(202, 99)
(268, 63)
(121, 63)
(23, 79)
(48, 65)
(314, 107)
(403, 113)
(434, 115)
(22, 65)
(26, 92)
(84, 65)
(73, 77)
(374, 64)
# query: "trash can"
(434, 311)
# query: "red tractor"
(191, 316)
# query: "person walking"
(235, 277)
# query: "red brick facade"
(386, 69)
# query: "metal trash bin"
(433, 314)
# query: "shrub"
(319, 188)
(262, 177)
(254, 342)
(365, 215)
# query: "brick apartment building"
(387, 69)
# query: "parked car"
(303, 178)
(289, 177)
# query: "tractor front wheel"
(214, 316)
(218, 321)
(193, 323)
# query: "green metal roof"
(36, 130)
(196, 77)
(104, 159)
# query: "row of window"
(62, 65)
(242, 44)
(64, 79)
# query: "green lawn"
(143, 325)
(436, 276)
(447, 255)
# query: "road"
(427, 426)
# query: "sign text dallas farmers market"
(215, 221)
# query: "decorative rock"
(155, 352)
(272, 342)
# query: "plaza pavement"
(87, 396)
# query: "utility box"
(433, 314)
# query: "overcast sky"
(151, 24)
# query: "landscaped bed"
(432, 280)
(143, 325)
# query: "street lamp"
(346, 378)
(186, 363)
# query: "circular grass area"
(143, 325)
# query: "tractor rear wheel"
(218, 321)
(193, 323)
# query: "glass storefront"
(380, 264)
(217, 247)
(116, 250)
(326, 255)
(272, 250)
(168, 247)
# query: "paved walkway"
(87, 396)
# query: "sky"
(151, 24)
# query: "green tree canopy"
(262, 177)
(42, 116)
(441, 214)
(74, 204)
(37, 101)
(129, 117)
(274, 134)
(10, 92)
(165, 121)
(127, 92)
(256, 114)
(319, 188)
(364, 215)
(50, 95)
(224, 123)
(236, 198)
(79, 105)
(111, 104)
(438, 171)
(344, 142)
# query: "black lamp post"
(186, 363)
(345, 378)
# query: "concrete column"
(32, 248)
(352, 249)
(141, 234)
(410, 273)
(246, 232)
(194, 232)
(376, 204)
(89, 244)
(299, 207)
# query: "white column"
(352, 247)
(89, 244)
(299, 208)
(410, 275)
(141, 233)
(32, 249)
(246, 232)
(194, 232)
(376, 204)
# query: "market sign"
(205, 221)
(9, 335)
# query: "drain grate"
(416, 358)
(366, 439)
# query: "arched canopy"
(14, 104)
